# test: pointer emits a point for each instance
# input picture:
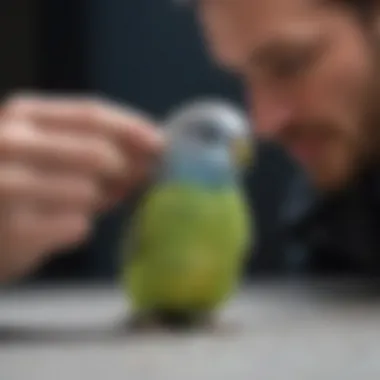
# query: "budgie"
(185, 252)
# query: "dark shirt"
(334, 234)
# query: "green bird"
(185, 253)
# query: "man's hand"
(62, 161)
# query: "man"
(310, 70)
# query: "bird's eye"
(208, 133)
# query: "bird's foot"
(185, 321)
(171, 321)
(143, 323)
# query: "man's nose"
(271, 113)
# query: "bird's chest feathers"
(190, 223)
(191, 249)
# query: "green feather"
(186, 249)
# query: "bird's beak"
(242, 152)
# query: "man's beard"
(353, 154)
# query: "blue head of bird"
(209, 144)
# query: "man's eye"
(290, 67)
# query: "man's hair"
(359, 5)
(363, 8)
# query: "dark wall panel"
(18, 42)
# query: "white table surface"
(269, 331)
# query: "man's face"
(309, 72)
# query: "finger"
(125, 125)
(29, 239)
(83, 153)
(30, 234)
(20, 184)
(61, 231)
(20, 248)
